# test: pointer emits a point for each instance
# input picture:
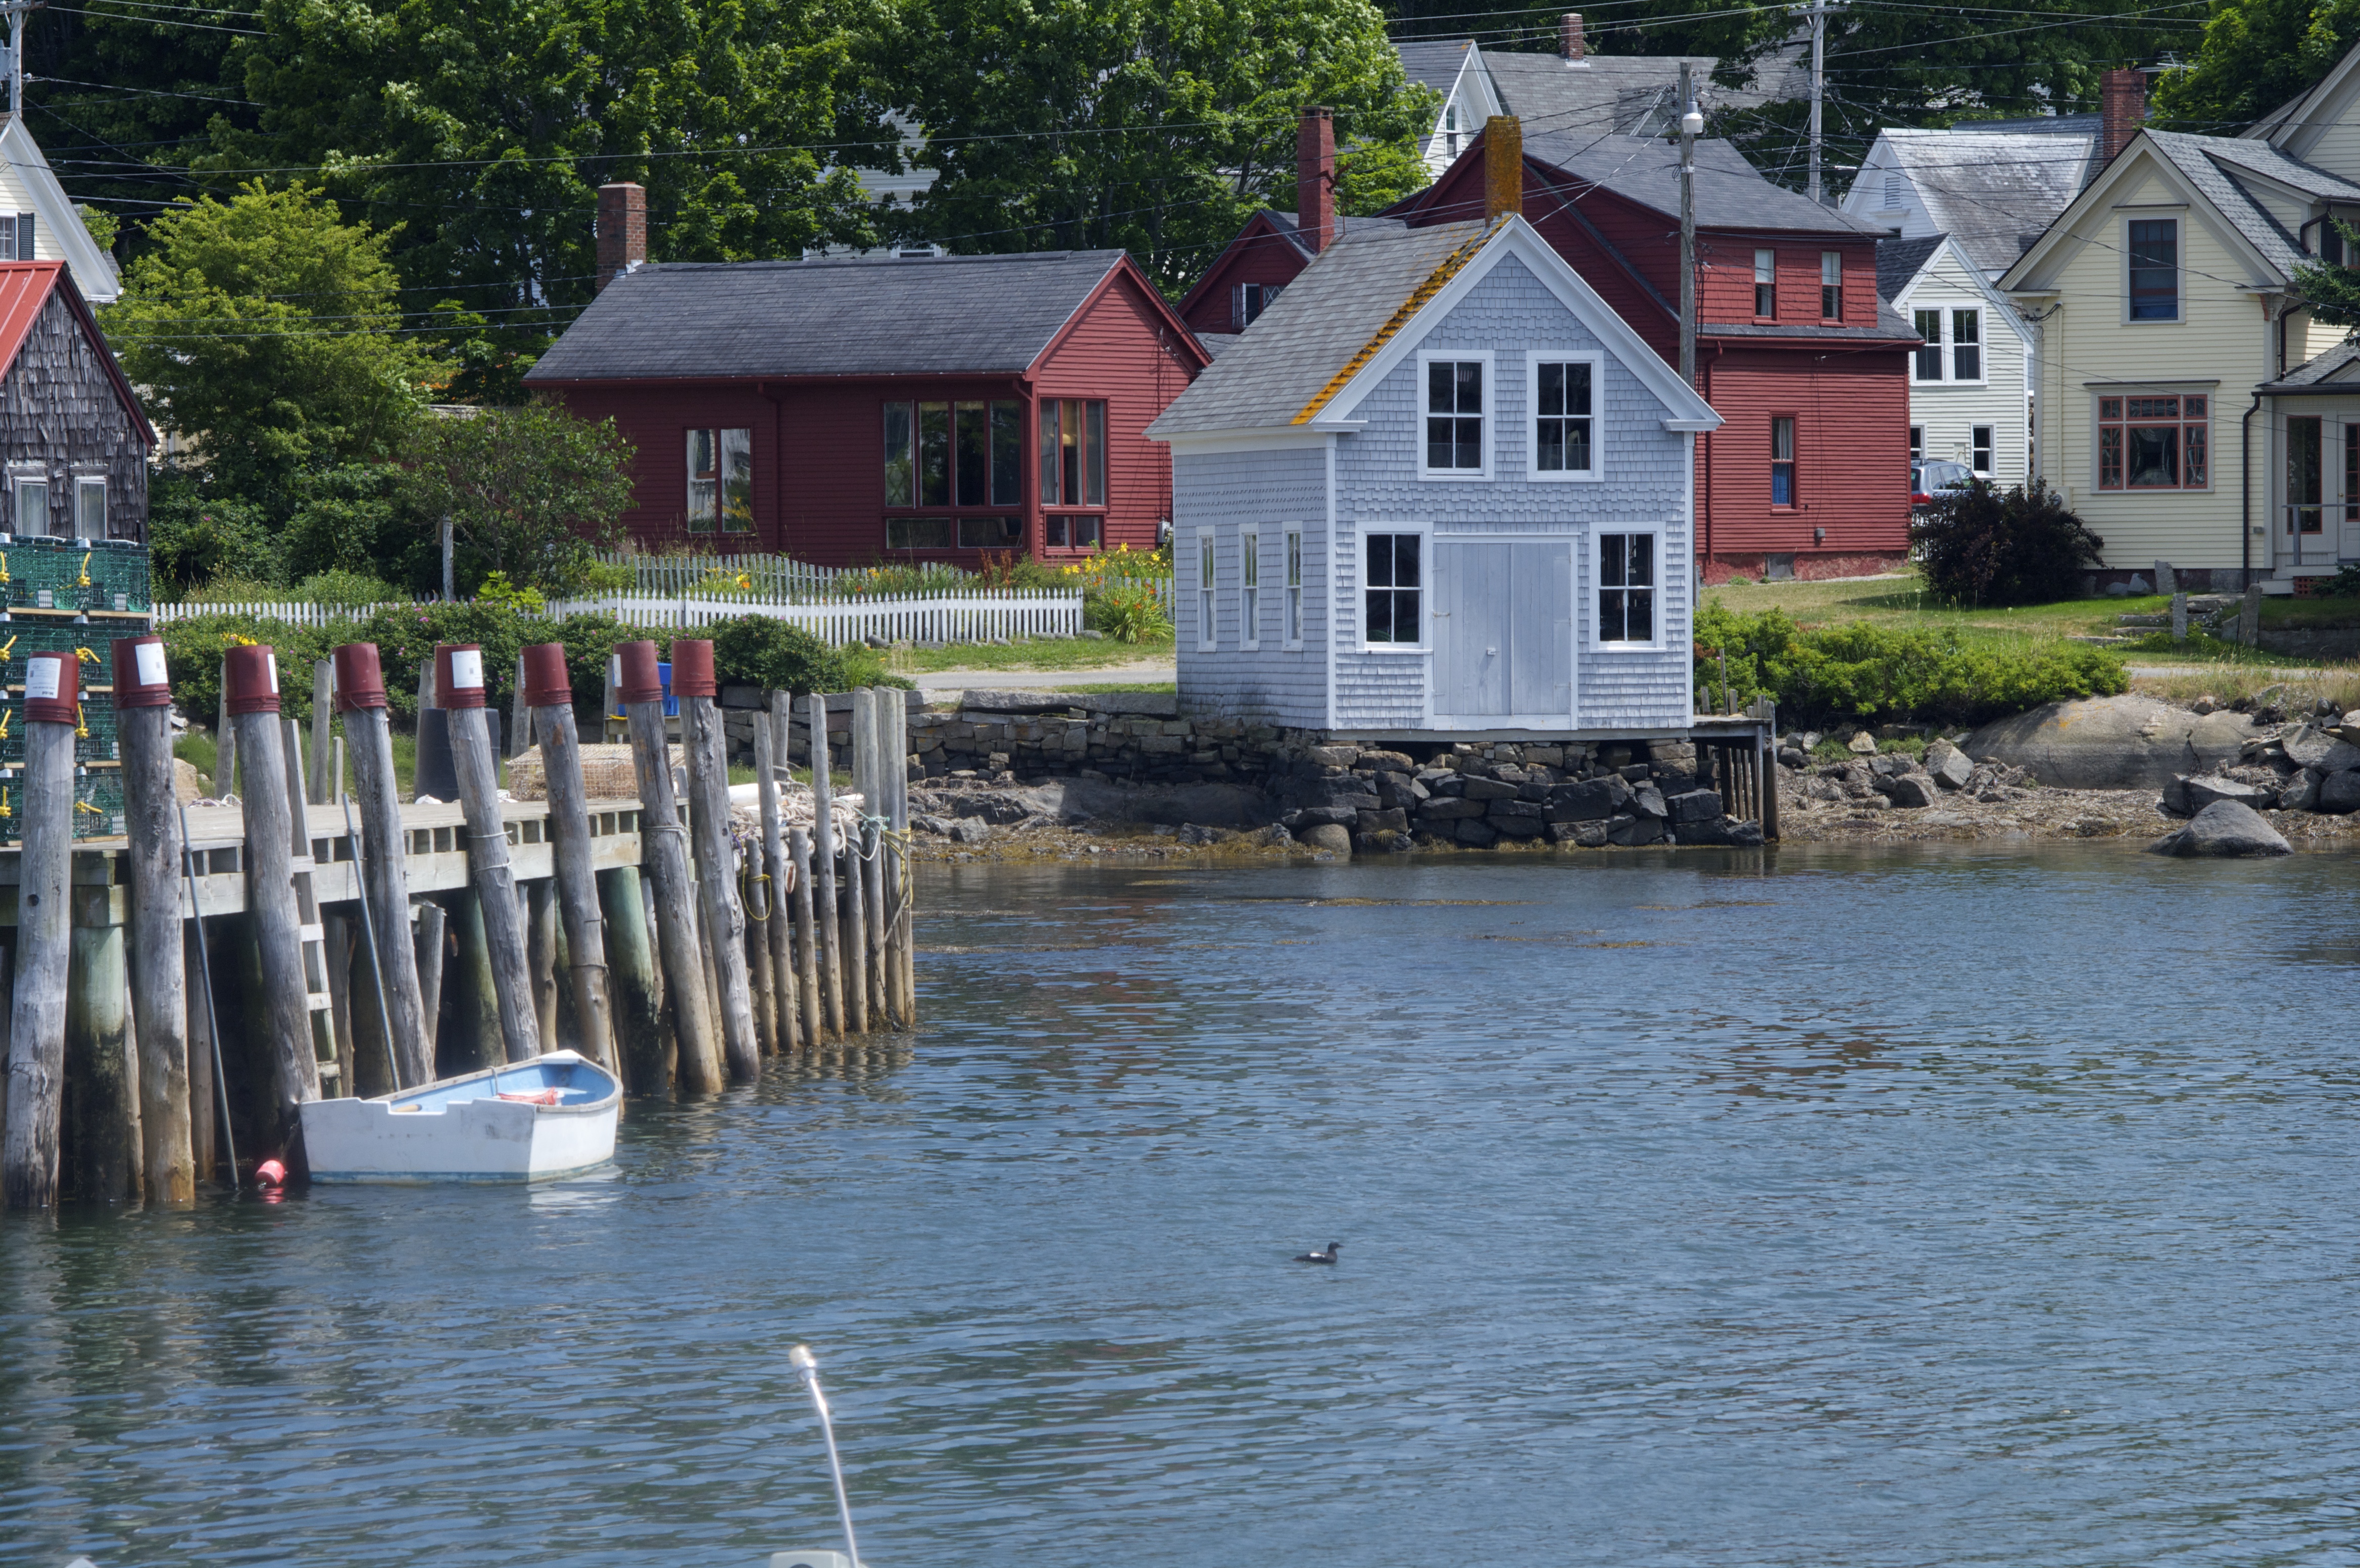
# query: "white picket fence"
(951, 617)
(770, 577)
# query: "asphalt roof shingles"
(1731, 193)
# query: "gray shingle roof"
(1990, 189)
(1731, 193)
(838, 317)
(2041, 124)
(2337, 370)
(1435, 62)
(1280, 363)
(2212, 165)
(1898, 262)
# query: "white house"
(1439, 488)
(37, 220)
(1991, 191)
(1968, 382)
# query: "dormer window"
(1251, 299)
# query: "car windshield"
(1942, 476)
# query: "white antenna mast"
(806, 1366)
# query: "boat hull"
(464, 1130)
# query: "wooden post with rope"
(664, 856)
(823, 869)
(694, 685)
(383, 854)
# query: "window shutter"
(24, 236)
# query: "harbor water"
(1898, 1206)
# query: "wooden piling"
(203, 1130)
(717, 872)
(776, 931)
(868, 719)
(540, 956)
(427, 940)
(823, 867)
(336, 945)
(762, 984)
(160, 995)
(322, 750)
(904, 884)
(278, 928)
(577, 889)
(664, 856)
(385, 875)
(98, 1057)
(630, 976)
(808, 986)
(37, 1030)
(475, 990)
(494, 876)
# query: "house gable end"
(1125, 275)
(2121, 186)
(1264, 251)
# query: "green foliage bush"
(1862, 673)
(194, 537)
(348, 590)
(1127, 615)
(1985, 546)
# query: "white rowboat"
(534, 1121)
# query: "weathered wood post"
(36, 1022)
(540, 956)
(384, 861)
(905, 967)
(270, 895)
(807, 990)
(852, 889)
(428, 941)
(322, 775)
(663, 855)
(823, 867)
(636, 1014)
(693, 683)
(787, 1008)
(224, 742)
(459, 692)
(203, 1132)
(103, 1107)
(549, 699)
(868, 719)
(159, 992)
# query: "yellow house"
(2170, 348)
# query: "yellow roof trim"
(1451, 267)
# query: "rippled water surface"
(1925, 1208)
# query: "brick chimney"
(622, 231)
(2122, 103)
(1503, 166)
(1314, 178)
(1569, 36)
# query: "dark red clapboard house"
(850, 410)
(1810, 475)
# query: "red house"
(848, 410)
(1809, 476)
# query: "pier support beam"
(693, 683)
(384, 861)
(637, 1013)
(459, 692)
(551, 702)
(831, 932)
(663, 855)
(159, 993)
(787, 1007)
(270, 898)
(105, 1143)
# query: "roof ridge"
(1448, 268)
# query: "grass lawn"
(1029, 653)
(1903, 599)
(2290, 613)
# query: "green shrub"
(1127, 615)
(2344, 584)
(352, 590)
(193, 651)
(1862, 673)
(1983, 546)
(195, 538)
(762, 650)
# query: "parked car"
(1932, 481)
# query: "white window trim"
(1291, 606)
(1533, 359)
(82, 482)
(1950, 344)
(1424, 531)
(2180, 250)
(1991, 448)
(1491, 412)
(1937, 343)
(1207, 599)
(1593, 544)
(1249, 608)
(17, 482)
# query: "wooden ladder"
(304, 863)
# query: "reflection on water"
(1911, 1208)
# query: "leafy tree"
(532, 492)
(2256, 55)
(264, 327)
(481, 131)
(1983, 545)
(1152, 125)
(194, 537)
(2332, 292)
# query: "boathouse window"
(1926, 361)
(1765, 283)
(1966, 346)
(1294, 574)
(1072, 453)
(90, 507)
(1782, 460)
(1249, 588)
(32, 511)
(1979, 448)
(1564, 398)
(1205, 639)
(1831, 285)
(1391, 590)
(940, 455)
(1456, 444)
(720, 480)
(2154, 266)
(1626, 588)
(2153, 443)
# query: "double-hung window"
(1966, 346)
(1926, 361)
(720, 481)
(1456, 442)
(1391, 589)
(1979, 448)
(1564, 393)
(16, 236)
(1251, 300)
(1295, 587)
(31, 517)
(2350, 474)
(90, 506)
(2154, 268)
(2306, 475)
(1782, 460)
(1831, 285)
(1249, 588)
(1917, 443)
(2153, 443)
(1205, 639)
(1626, 588)
(1765, 283)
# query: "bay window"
(720, 481)
(954, 454)
(2153, 443)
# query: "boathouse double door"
(1502, 621)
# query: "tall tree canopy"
(1155, 126)
(2256, 55)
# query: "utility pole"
(16, 10)
(1692, 123)
(1818, 13)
